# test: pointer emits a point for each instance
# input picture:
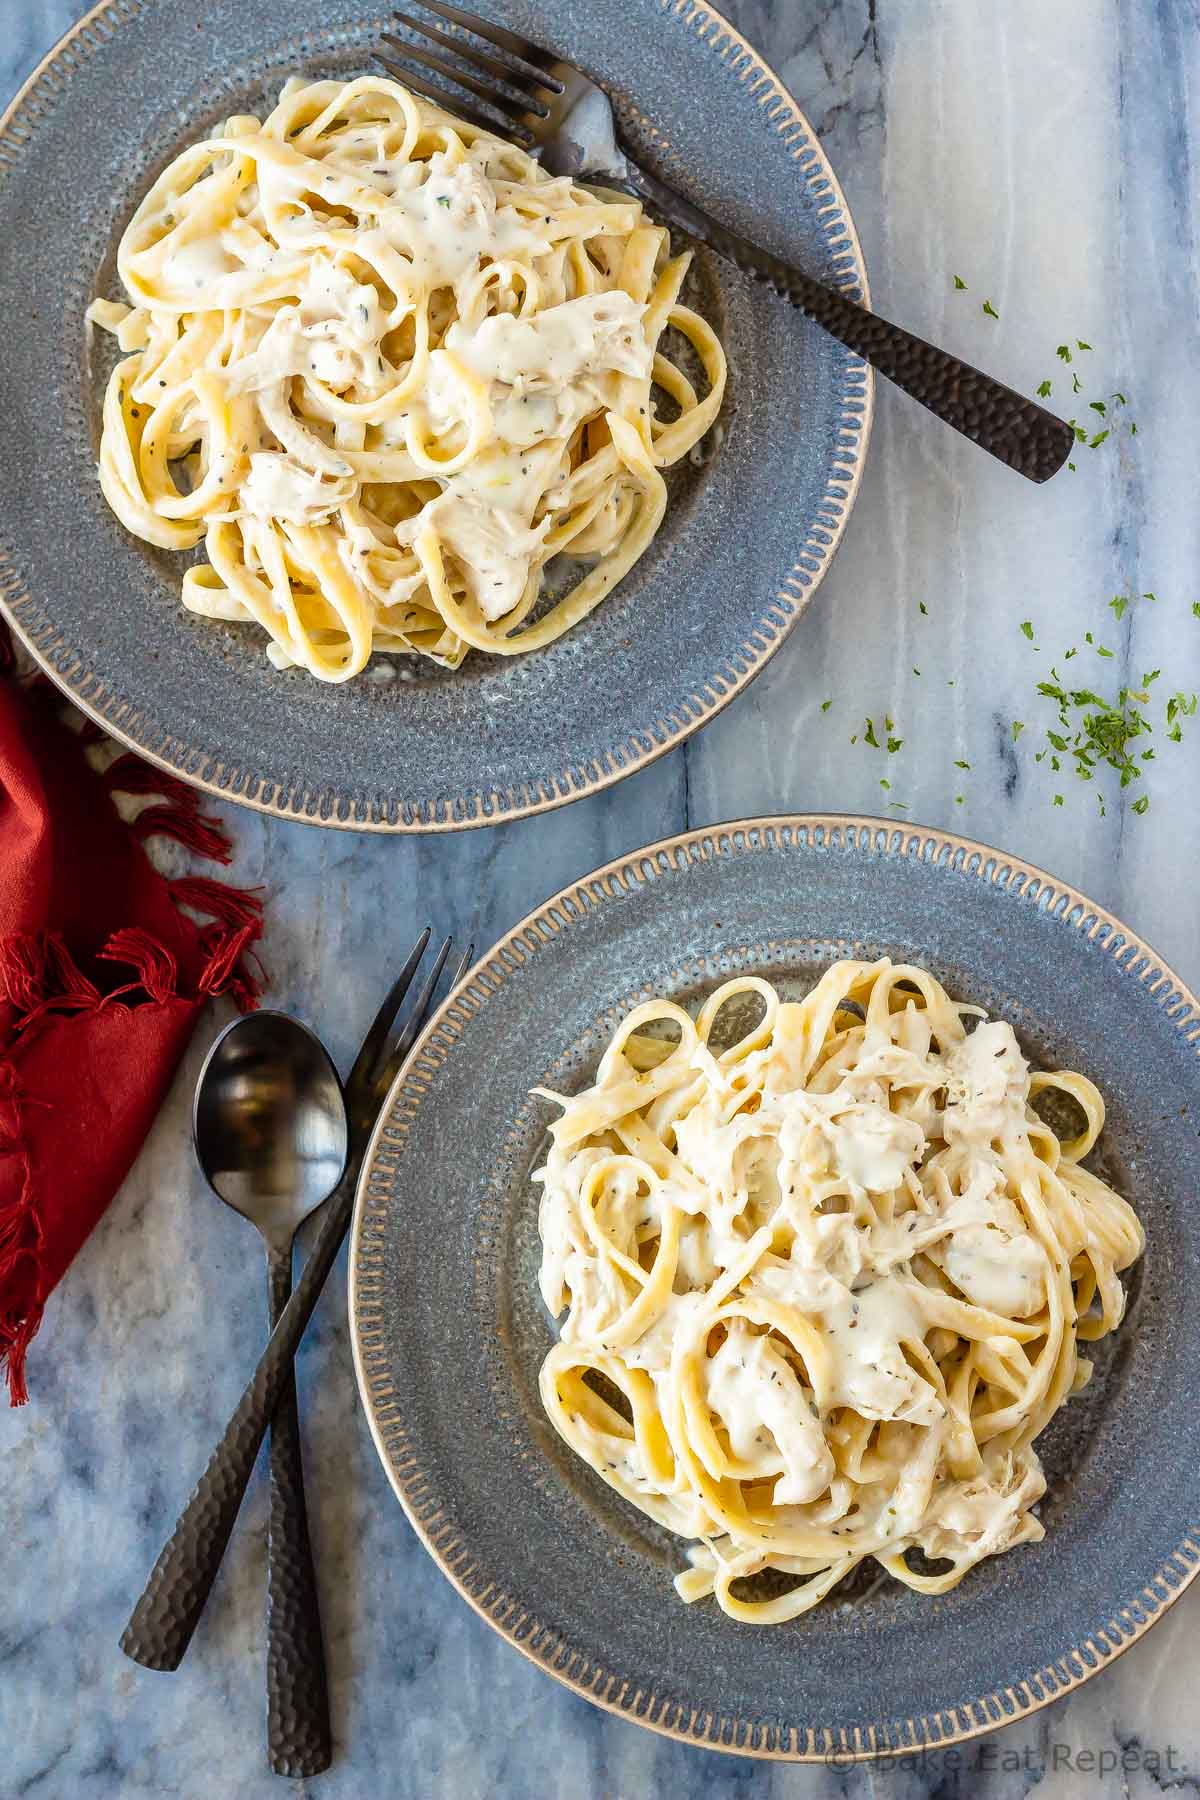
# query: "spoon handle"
(161, 1625)
(298, 1734)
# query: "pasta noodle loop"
(386, 369)
(833, 1269)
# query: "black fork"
(505, 83)
(161, 1625)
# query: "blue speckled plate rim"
(853, 834)
(35, 627)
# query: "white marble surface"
(1044, 152)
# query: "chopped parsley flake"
(1044, 391)
(960, 283)
(1027, 628)
(990, 310)
(1094, 731)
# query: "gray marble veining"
(1043, 154)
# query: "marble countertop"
(1043, 153)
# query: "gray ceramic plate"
(450, 1332)
(748, 535)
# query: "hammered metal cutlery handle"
(161, 1625)
(1019, 432)
(299, 1741)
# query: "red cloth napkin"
(102, 976)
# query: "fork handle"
(299, 1741)
(161, 1625)
(1025, 436)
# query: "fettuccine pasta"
(385, 368)
(821, 1291)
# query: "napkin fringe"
(177, 814)
(39, 976)
(224, 904)
(20, 1236)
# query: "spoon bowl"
(269, 1122)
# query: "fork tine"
(382, 1022)
(439, 65)
(499, 35)
(479, 59)
(464, 963)
(406, 1037)
(451, 102)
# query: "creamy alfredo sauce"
(855, 1188)
(387, 369)
(440, 223)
